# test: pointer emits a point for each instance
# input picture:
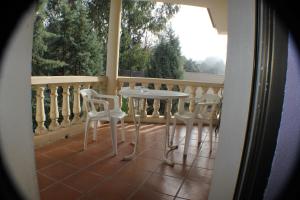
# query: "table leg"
(137, 124)
(167, 136)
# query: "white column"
(113, 45)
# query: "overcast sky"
(198, 39)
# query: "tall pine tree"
(166, 60)
(73, 43)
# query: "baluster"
(76, 104)
(145, 104)
(130, 109)
(215, 90)
(66, 106)
(192, 101)
(170, 87)
(181, 100)
(54, 114)
(156, 103)
(204, 90)
(40, 111)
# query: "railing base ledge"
(50, 137)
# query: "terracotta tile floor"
(65, 172)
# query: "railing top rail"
(43, 80)
(169, 81)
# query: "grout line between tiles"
(187, 174)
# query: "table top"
(151, 94)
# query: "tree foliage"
(70, 37)
(166, 59)
(67, 43)
(210, 65)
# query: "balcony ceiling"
(217, 9)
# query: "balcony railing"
(65, 111)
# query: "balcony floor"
(66, 172)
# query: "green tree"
(139, 19)
(73, 42)
(166, 60)
(40, 64)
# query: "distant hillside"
(211, 65)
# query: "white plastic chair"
(97, 109)
(206, 111)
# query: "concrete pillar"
(113, 45)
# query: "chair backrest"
(208, 106)
(87, 95)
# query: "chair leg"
(123, 130)
(187, 137)
(94, 131)
(113, 125)
(173, 132)
(85, 134)
(210, 136)
(199, 132)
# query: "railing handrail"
(45, 80)
(169, 81)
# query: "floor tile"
(207, 163)
(153, 153)
(59, 192)
(107, 167)
(201, 174)
(178, 158)
(83, 181)
(80, 160)
(146, 194)
(135, 178)
(65, 171)
(175, 171)
(44, 181)
(110, 190)
(194, 190)
(52, 146)
(58, 171)
(142, 164)
(60, 153)
(163, 184)
(43, 161)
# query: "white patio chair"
(97, 109)
(206, 111)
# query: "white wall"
(237, 89)
(16, 135)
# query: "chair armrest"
(99, 101)
(114, 97)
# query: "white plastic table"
(145, 93)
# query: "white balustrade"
(169, 84)
(40, 83)
(55, 90)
